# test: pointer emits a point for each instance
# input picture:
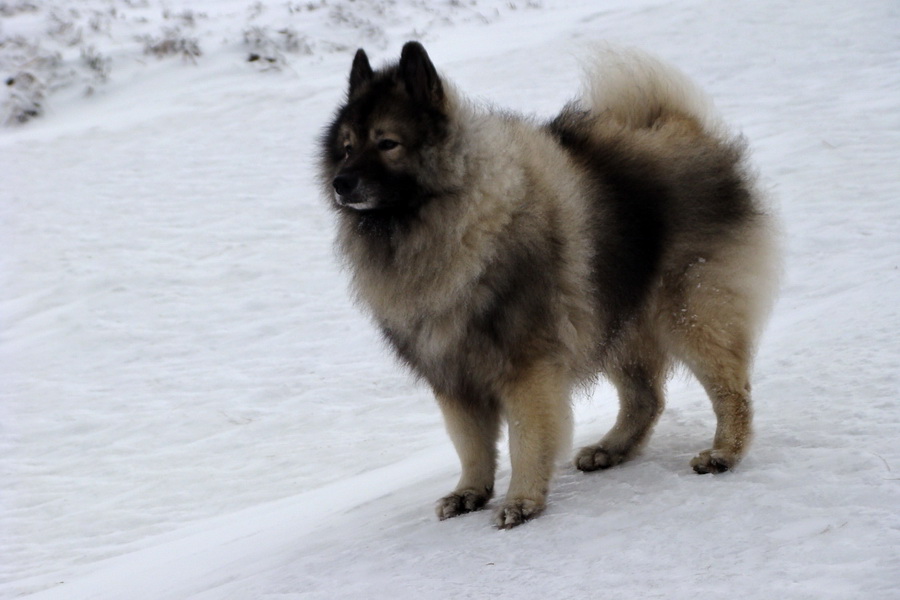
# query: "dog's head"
(379, 154)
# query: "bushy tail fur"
(638, 91)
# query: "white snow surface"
(192, 407)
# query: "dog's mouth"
(356, 202)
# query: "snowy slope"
(190, 406)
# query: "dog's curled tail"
(640, 91)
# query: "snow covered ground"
(190, 406)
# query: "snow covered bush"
(25, 99)
(29, 71)
(172, 42)
(268, 48)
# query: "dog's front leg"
(474, 427)
(540, 423)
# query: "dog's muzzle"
(348, 193)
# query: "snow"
(191, 406)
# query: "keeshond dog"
(507, 261)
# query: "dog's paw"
(594, 458)
(516, 512)
(714, 461)
(460, 503)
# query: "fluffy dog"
(507, 261)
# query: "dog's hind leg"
(539, 416)
(731, 404)
(474, 427)
(639, 382)
(717, 306)
(721, 364)
(714, 336)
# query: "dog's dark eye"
(347, 149)
(387, 144)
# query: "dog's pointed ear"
(360, 72)
(420, 76)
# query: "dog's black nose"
(344, 184)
